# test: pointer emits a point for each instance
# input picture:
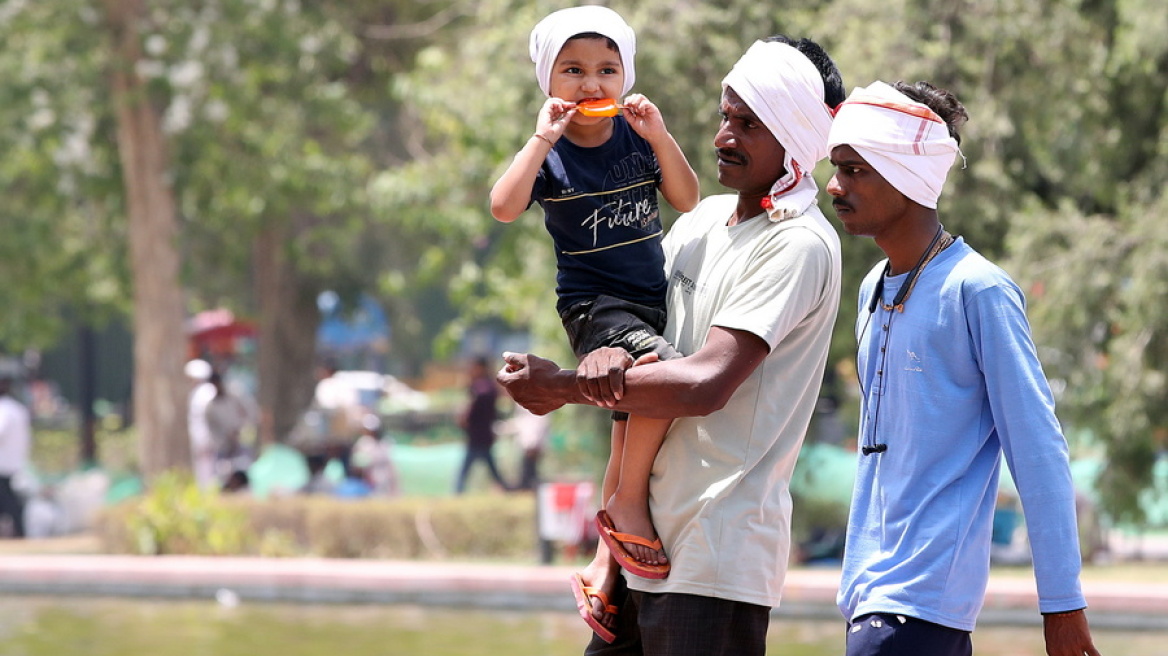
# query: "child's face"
(587, 69)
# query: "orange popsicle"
(599, 107)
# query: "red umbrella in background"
(217, 333)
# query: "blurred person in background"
(202, 446)
(337, 404)
(318, 479)
(237, 481)
(227, 415)
(371, 458)
(531, 434)
(477, 421)
(15, 443)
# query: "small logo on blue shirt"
(914, 361)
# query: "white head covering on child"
(551, 33)
(905, 141)
(785, 90)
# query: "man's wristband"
(540, 136)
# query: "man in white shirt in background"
(15, 442)
(202, 446)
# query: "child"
(596, 178)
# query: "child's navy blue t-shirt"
(600, 206)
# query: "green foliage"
(177, 518)
(56, 451)
(1096, 284)
(262, 127)
(1089, 157)
(813, 518)
(61, 183)
(265, 130)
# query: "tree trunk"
(160, 389)
(286, 348)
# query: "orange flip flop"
(584, 595)
(614, 538)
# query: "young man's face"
(864, 201)
(587, 69)
(750, 158)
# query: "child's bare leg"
(601, 573)
(612, 471)
(629, 504)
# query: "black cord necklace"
(940, 242)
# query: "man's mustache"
(731, 155)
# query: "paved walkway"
(809, 593)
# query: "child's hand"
(600, 376)
(644, 117)
(553, 118)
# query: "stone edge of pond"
(808, 593)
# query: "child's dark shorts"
(610, 321)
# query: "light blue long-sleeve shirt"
(949, 385)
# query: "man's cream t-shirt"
(719, 489)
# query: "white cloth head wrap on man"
(785, 90)
(550, 34)
(905, 141)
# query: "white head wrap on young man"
(905, 141)
(550, 34)
(785, 90)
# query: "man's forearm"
(562, 385)
(695, 385)
(664, 390)
(541, 386)
(537, 384)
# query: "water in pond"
(40, 626)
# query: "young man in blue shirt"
(950, 382)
